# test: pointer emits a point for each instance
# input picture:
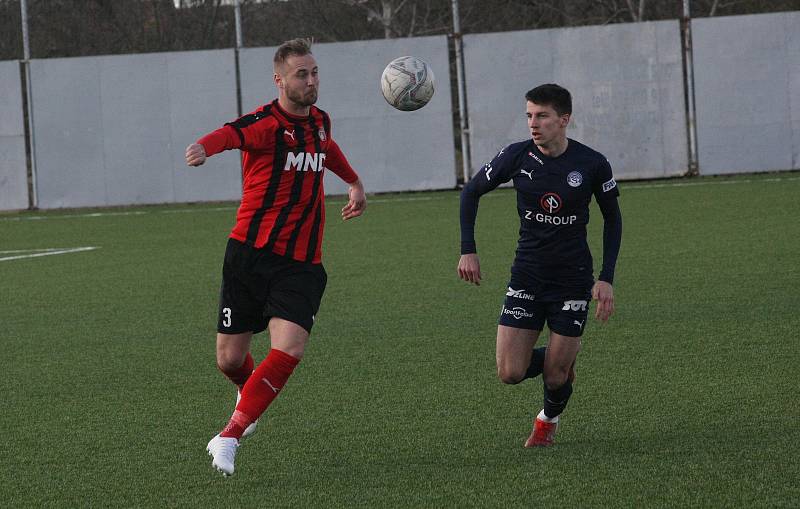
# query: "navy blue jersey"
(553, 196)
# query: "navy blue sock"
(555, 400)
(537, 363)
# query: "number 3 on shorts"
(227, 320)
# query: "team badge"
(322, 134)
(575, 179)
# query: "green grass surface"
(687, 397)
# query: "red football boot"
(543, 434)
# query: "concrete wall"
(747, 90)
(626, 83)
(112, 130)
(391, 150)
(13, 170)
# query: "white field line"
(623, 185)
(707, 183)
(401, 199)
(71, 216)
(44, 252)
(11, 251)
(184, 211)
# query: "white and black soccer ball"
(407, 83)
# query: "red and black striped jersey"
(284, 159)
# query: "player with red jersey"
(272, 275)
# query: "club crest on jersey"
(321, 134)
(575, 179)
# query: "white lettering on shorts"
(517, 312)
(574, 305)
(519, 294)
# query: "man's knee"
(230, 359)
(510, 374)
(232, 351)
(288, 337)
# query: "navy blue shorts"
(529, 306)
(257, 285)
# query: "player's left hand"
(603, 293)
(358, 201)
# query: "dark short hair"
(552, 95)
(295, 47)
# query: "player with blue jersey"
(551, 279)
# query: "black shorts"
(529, 305)
(257, 285)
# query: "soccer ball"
(407, 83)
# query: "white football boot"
(249, 430)
(223, 450)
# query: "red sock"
(240, 375)
(267, 381)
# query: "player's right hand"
(195, 154)
(469, 268)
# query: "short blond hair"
(294, 48)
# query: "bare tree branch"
(60, 28)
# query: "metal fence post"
(237, 11)
(688, 86)
(462, 94)
(33, 199)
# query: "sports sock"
(555, 400)
(240, 375)
(260, 390)
(537, 363)
(543, 417)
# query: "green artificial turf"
(688, 397)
